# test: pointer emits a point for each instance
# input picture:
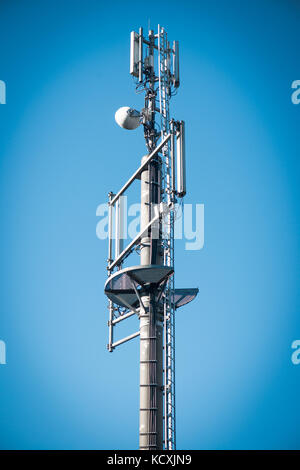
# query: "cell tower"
(148, 290)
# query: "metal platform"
(124, 287)
(184, 296)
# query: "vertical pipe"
(151, 329)
(110, 210)
(145, 439)
(110, 306)
(119, 225)
(172, 152)
(110, 326)
(117, 208)
(140, 66)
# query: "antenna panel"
(176, 80)
(140, 56)
(134, 54)
(181, 171)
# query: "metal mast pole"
(148, 290)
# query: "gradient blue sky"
(66, 69)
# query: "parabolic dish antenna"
(127, 118)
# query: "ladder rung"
(148, 385)
(149, 445)
(148, 409)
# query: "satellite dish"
(128, 118)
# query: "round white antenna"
(128, 118)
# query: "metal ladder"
(168, 243)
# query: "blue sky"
(66, 67)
